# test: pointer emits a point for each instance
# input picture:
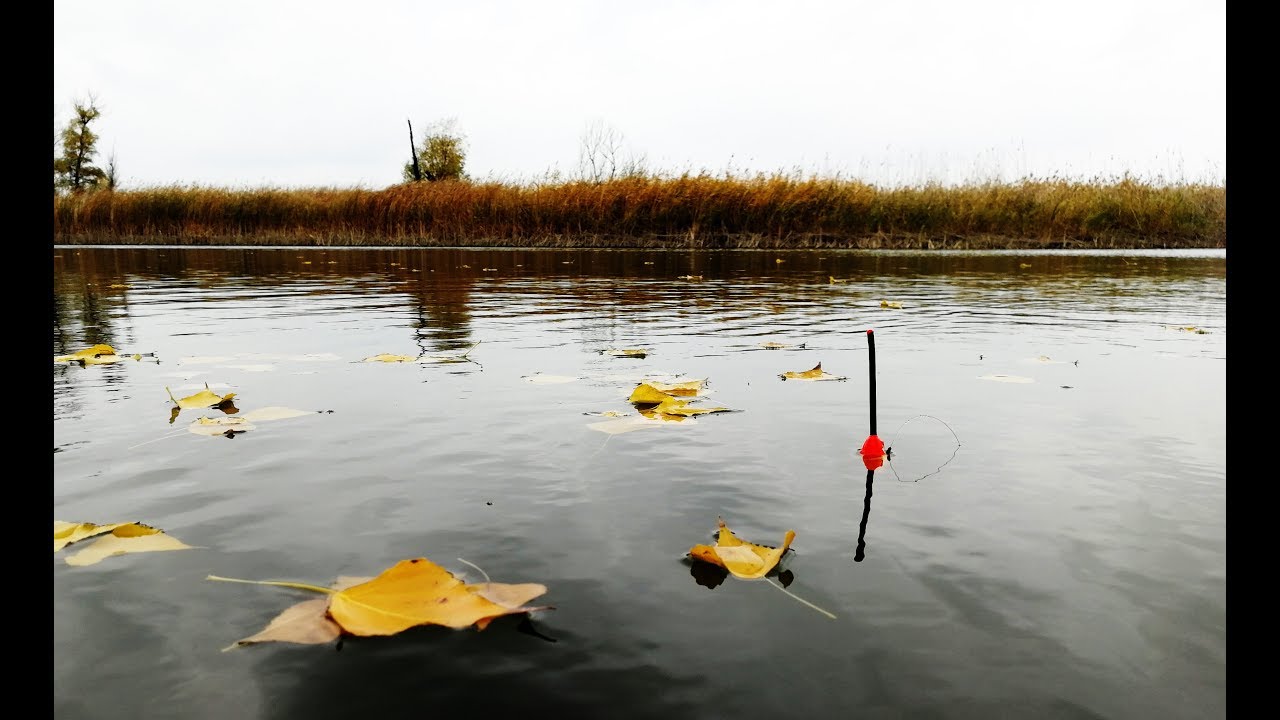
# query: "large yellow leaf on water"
(419, 592)
(306, 623)
(647, 394)
(86, 354)
(681, 408)
(389, 358)
(817, 373)
(114, 539)
(742, 559)
(65, 533)
(206, 398)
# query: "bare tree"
(602, 156)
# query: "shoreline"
(651, 242)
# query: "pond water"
(1046, 540)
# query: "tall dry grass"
(775, 211)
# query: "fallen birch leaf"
(631, 353)
(889, 304)
(646, 394)
(742, 559)
(389, 358)
(781, 346)
(817, 373)
(689, 277)
(110, 540)
(206, 398)
(833, 281)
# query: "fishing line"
(889, 449)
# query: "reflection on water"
(1070, 562)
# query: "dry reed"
(703, 211)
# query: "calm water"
(1048, 540)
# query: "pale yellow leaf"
(306, 623)
(123, 539)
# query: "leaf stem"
(279, 583)
(800, 599)
(482, 572)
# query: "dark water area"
(1047, 540)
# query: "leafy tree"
(441, 156)
(74, 169)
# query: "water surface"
(1048, 540)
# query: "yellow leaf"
(631, 352)
(389, 358)
(673, 406)
(86, 354)
(220, 426)
(817, 373)
(206, 398)
(742, 559)
(832, 280)
(419, 592)
(126, 538)
(646, 394)
(689, 388)
(65, 533)
(689, 277)
(889, 304)
(306, 623)
(780, 346)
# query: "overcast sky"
(282, 93)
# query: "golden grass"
(687, 211)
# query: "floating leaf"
(90, 352)
(743, 559)
(389, 358)
(113, 539)
(682, 408)
(100, 355)
(410, 593)
(220, 426)
(688, 388)
(642, 421)
(1007, 378)
(646, 394)
(817, 373)
(204, 399)
(631, 352)
(1024, 265)
(781, 346)
(306, 623)
(833, 281)
(65, 533)
(1188, 328)
(890, 304)
(689, 277)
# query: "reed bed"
(704, 211)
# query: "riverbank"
(700, 212)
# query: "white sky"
(282, 93)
